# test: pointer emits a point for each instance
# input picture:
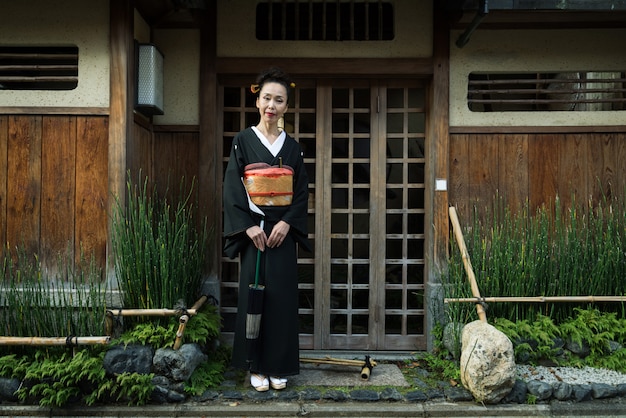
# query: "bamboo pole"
(160, 312)
(38, 341)
(151, 312)
(366, 365)
(335, 361)
(539, 299)
(458, 234)
(181, 331)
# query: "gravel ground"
(571, 375)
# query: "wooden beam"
(332, 67)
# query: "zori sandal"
(278, 383)
(259, 382)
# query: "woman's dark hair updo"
(272, 75)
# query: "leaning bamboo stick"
(467, 263)
(539, 299)
(72, 341)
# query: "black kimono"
(277, 348)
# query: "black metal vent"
(38, 67)
(325, 20)
(550, 91)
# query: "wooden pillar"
(120, 107)
(210, 147)
(437, 177)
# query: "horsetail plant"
(158, 250)
(578, 251)
(35, 303)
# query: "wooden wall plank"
(602, 166)
(58, 173)
(572, 185)
(543, 168)
(165, 156)
(620, 175)
(140, 154)
(459, 173)
(4, 139)
(513, 169)
(24, 182)
(92, 187)
(482, 178)
(176, 159)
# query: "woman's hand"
(279, 232)
(258, 237)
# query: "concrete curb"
(613, 408)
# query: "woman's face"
(272, 102)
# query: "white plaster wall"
(62, 22)
(413, 36)
(181, 62)
(542, 50)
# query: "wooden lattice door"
(362, 288)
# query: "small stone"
(577, 348)
(335, 395)
(287, 395)
(364, 395)
(458, 394)
(434, 393)
(416, 396)
(518, 393)
(602, 390)
(208, 395)
(419, 383)
(232, 395)
(614, 346)
(255, 395)
(452, 338)
(581, 393)
(541, 390)
(562, 391)
(390, 394)
(310, 394)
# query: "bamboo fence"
(185, 314)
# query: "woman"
(276, 351)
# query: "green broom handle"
(258, 260)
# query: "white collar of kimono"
(276, 146)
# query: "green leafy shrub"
(54, 379)
(207, 375)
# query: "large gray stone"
(488, 368)
(8, 388)
(178, 364)
(131, 359)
